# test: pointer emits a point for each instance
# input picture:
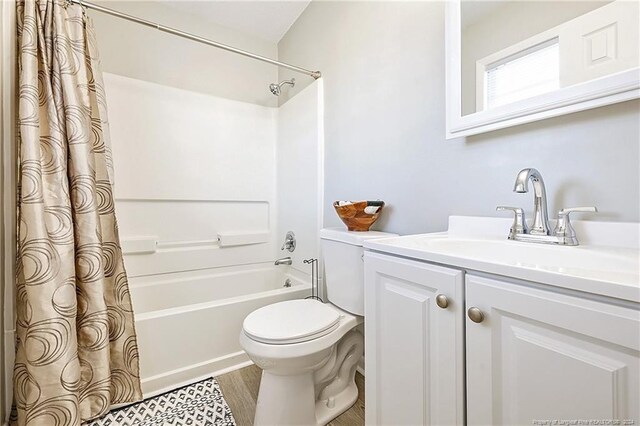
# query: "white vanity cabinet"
(542, 355)
(414, 342)
(534, 352)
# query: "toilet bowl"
(308, 370)
(309, 350)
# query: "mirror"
(511, 62)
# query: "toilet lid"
(292, 321)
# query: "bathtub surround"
(76, 351)
(211, 171)
(300, 173)
(214, 168)
(384, 71)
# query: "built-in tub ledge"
(150, 244)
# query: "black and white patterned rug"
(198, 404)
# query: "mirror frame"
(614, 88)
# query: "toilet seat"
(292, 321)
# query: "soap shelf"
(150, 244)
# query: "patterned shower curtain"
(76, 349)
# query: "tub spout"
(283, 261)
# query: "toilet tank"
(344, 266)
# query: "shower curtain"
(76, 349)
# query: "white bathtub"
(188, 324)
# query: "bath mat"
(198, 404)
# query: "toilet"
(309, 350)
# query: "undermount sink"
(480, 244)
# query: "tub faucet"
(283, 261)
(540, 225)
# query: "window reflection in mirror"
(515, 50)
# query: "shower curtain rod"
(315, 74)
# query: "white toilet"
(309, 350)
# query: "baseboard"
(161, 383)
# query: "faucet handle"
(289, 242)
(564, 231)
(519, 225)
(566, 212)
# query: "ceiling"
(269, 20)
(474, 11)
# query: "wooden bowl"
(354, 216)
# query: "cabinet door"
(413, 347)
(541, 356)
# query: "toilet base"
(313, 397)
(330, 409)
(285, 400)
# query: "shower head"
(276, 89)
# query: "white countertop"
(607, 263)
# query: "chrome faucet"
(540, 225)
(289, 242)
(283, 261)
(539, 231)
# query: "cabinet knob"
(475, 314)
(442, 301)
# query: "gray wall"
(144, 53)
(384, 71)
